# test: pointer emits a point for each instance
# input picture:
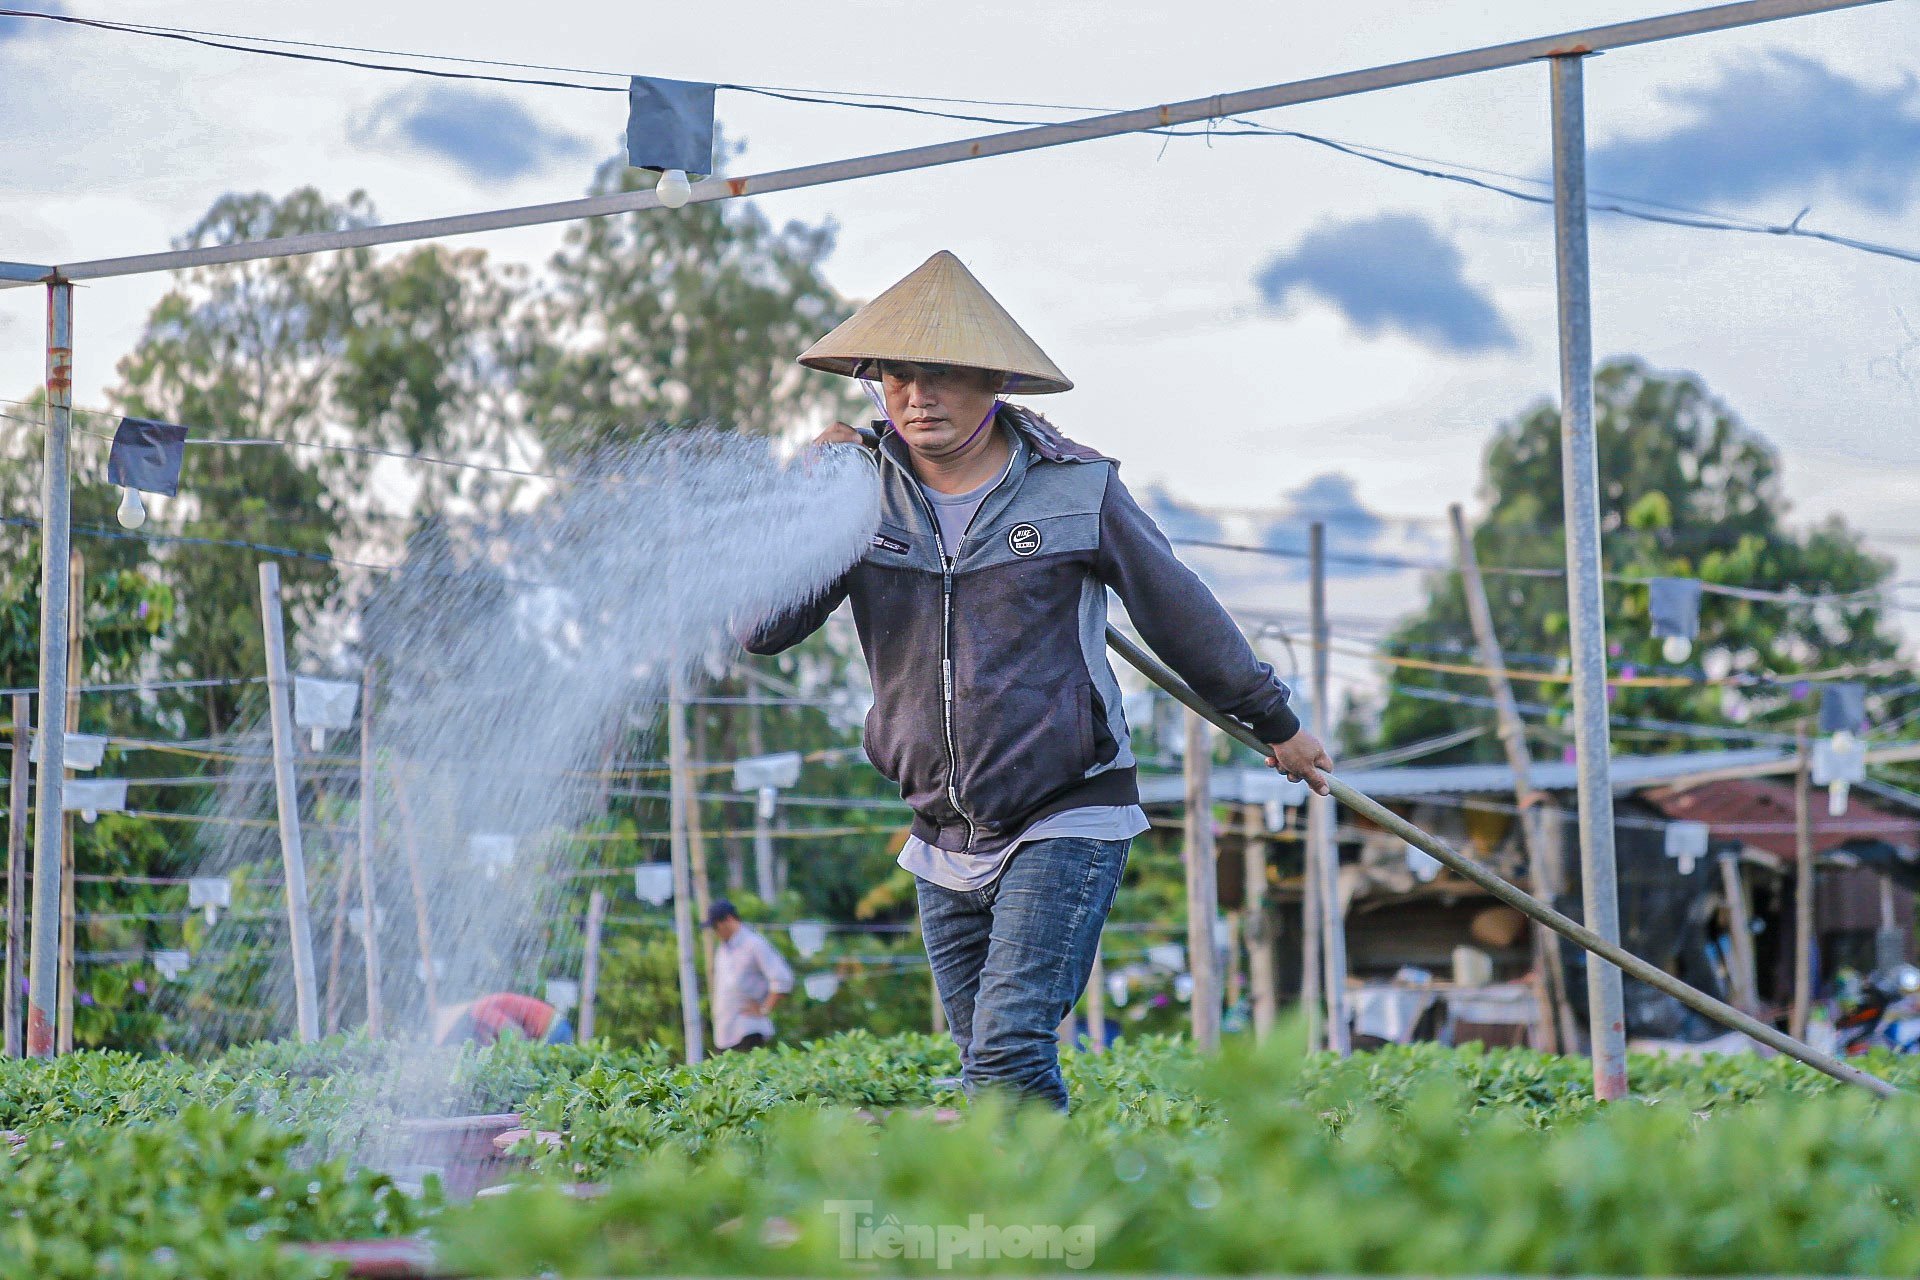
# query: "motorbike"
(1879, 1011)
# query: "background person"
(749, 977)
(485, 1020)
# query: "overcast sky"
(1252, 323)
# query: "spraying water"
(511, 655)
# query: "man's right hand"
(838, 433)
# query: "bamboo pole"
(1521, 901)
(1744, 978)
(682, 800)
(1323, 847)
(422, 916)
(17, 871)
(1202, 894)
(1803, 889)
(1097, 1001)
(369, 910)
(76, 670)
(1258, 928)
(1554, 1027)
(286, 793)
(590, 962)
(337, 941)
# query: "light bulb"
(133, 512)
(90, 816)
(674, 189)
(1676, 648)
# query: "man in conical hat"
(981, 606)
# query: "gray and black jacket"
(994, 704)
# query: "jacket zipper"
(946, 640)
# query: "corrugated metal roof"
(1759, 812)
(1630, 773)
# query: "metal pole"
(287, 794)
(1203, 896)
(369, 911)
(1586, 604)
(590, 962)
(1258, 929)
(1310, 950)
(76, 672)
(680, 804)
(1372, 810)
(17, 869)
(1139, 120)
(1534, 809)
(1803, 890)
(1322, 844)
(56, 528)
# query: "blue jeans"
(1011, 958)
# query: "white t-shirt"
(745, 969)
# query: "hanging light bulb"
(90, 816)
(133, 512)
(674, 189)
(1676, 648)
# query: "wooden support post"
(1203, 896)
(681, 804)
(1742, 974)
(590, 962)
(1097, 1001)
(337, 939)
(287, 794)
(1258, 927)
(1323, 848)
(1553, 1027)
(369, 910)
(1803, 890)
(422, 916)
(76, 672)
(17, 802)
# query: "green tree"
(1686, 490)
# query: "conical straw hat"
(939, 315)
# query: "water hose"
(1525, 903)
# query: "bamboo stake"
(1323, 848)
(680, 790)
(287, 795)
(590, 962)
(1521, 901)
(1554, 1026)
(1257, 928)
(1744, 978)
(17, 871)
(369, 911)
(1803, 890)
(1203, 895)
(422, 916)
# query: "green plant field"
(1423, 1159)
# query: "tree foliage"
(1686, 490)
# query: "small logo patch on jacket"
(1023, 539)
(885, 543)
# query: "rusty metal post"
(1803, 890)
(1586, 601)
(56, 530)
(17, 870)
(76, 668)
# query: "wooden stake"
(590, 962)
(17, 871)
(422, 916)
(1554, 1025)
(1742, 974)
(1203, 896)
(369, 801)
(286, 793)
(76, 672)
(1803, 890)
(681, 804)
(337, 942)
(1323, 848)
(1258, 928)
